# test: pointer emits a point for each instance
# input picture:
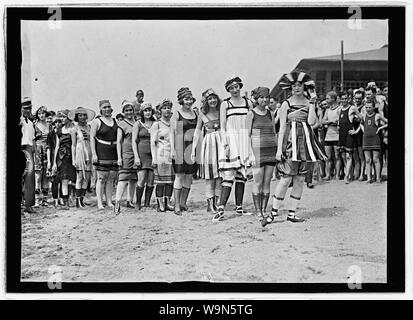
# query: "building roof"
(362, 58)
(376, 54)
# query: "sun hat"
(80, 110)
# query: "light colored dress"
(160, 133)
(240, 153)
(210, 146)
(83, 158)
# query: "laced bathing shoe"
(219, 216)
(116, 208)
(293, 218)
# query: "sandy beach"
(346, 226)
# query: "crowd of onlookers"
(352, 128)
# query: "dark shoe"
(44, 202)
(310, 185)
(82, 204)
(167, 204)
(116, 208)
(77, 203)
(184, 198)
(65, 204)
(129, 205)
(270, 218)
(161, 204)
(294, 219)
(148, 194)
(242, 212)
(219, 216)
(210, 206)
(29, 210)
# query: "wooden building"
(359, 69)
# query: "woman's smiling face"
(212, 101)
(128, 112)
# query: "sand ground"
(346, 227)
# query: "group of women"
(162, 150)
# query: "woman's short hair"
(205, 105)
(153, 118)
(372, 89)
(332, 94)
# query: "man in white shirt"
(28, 147)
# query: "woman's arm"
(154, 137)
(283, 123)
(248, 121)
(223, 121)
(94, 127)
(119, 139)
(197, 135)
(56, 150)
(135, 137)
(312, 116)
(73, 135)
(325, 120)
(174, 120)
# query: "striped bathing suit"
(210, 148)
(263, 139)
(300, 145)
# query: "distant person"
(358, 154)
(28, 146)
(119, 117)
(330, 122)
(346, 142)
(42, 129)
(64, 157)
(322, 107)
(137, 103)
(52, 170)
(371, 140)
(378, 100)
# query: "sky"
(87, 61)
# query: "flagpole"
(26, 78)
(342, 67)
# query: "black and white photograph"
(237, 150)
